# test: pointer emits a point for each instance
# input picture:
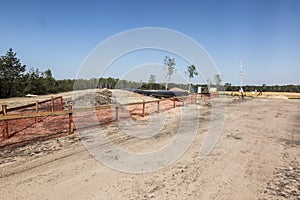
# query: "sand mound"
(176, 89)
(278, 97)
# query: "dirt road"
(256, 157)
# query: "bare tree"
(191, 72)
(152, 79)
(218, 80)
(208, 82)
(170, 64)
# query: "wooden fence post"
(36, 110)
(143, 108)
(5, 129)
(61, 103)
(174, 103)
(71, 123)
(158, 106)
(52, 104)
(117, 113)
(182, 101)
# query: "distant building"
(201, 89)
(213, 90)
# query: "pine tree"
(11, 73)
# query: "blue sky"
(59, 35)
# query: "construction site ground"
(256, 157)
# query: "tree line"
(263, 88)
(15, 81)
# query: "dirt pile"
(94, 98)
(103, 97)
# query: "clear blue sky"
(264, 34)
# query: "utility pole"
(241, 79)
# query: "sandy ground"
(256, 157)
(276, 95)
